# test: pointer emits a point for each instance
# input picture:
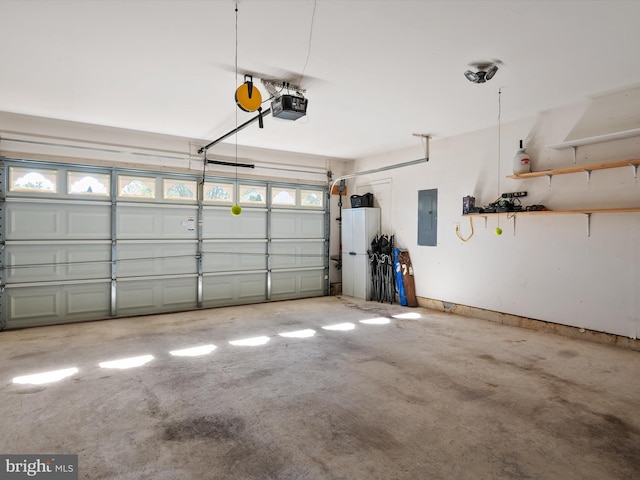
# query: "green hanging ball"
(498, 231)
(236, 210)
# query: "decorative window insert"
(218, 192)
(285, 197)
(84, 183)
(136, 187)
(38, 180)
(253, 194)
(179, 189)
(312, 198)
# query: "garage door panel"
(219, 223)
(153, 258)
(38, 220)
(56, 261)
(297, 254)
(312, 283)
(134, 296)
(155, 222)
(144, 296)
(89, 261)
(234, 256)
(29, 222)
(297, 224)
(50, 304)
(135, 224)
(177, 293)
(237, 289)
(27, 304)
(91, 222)
(89, 301)
(283, 284)
(297, 284)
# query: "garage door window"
(179, 189)
(283, 196)
(311, 198)
(38, 180)
(253, 194)
(83, 183)
(218, 192)
(139, 187)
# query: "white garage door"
(84, 243)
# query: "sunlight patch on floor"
(46, 377)
(193, 351)
(407, 316)
(250, 342)
(299, 333)
(124, 363)
(340, 326)
(376, 321)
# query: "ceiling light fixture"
(486, 71)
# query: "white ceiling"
(375, 71)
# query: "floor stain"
(567, 353)
(220, 428)
(487, 357)
(25, 356)
(153, 403)
(468, 394)
(346, 433)
(541, 373)
(601, 433)
(622, 428)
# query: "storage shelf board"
(608, 137)
(577, 169)
(557, 212)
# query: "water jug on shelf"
(521, 161)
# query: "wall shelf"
(585, 211)
(577, 169)
(608, 137)
(580, 142)
(557, 212)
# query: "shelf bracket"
(634, 166)
(549, 179)
(575, 153)
(588, 172)
(588, 224)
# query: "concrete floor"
(435, 397)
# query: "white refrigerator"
(359, 228)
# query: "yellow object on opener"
(248, 97)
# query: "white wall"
(547, 267)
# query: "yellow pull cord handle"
(470, 235)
